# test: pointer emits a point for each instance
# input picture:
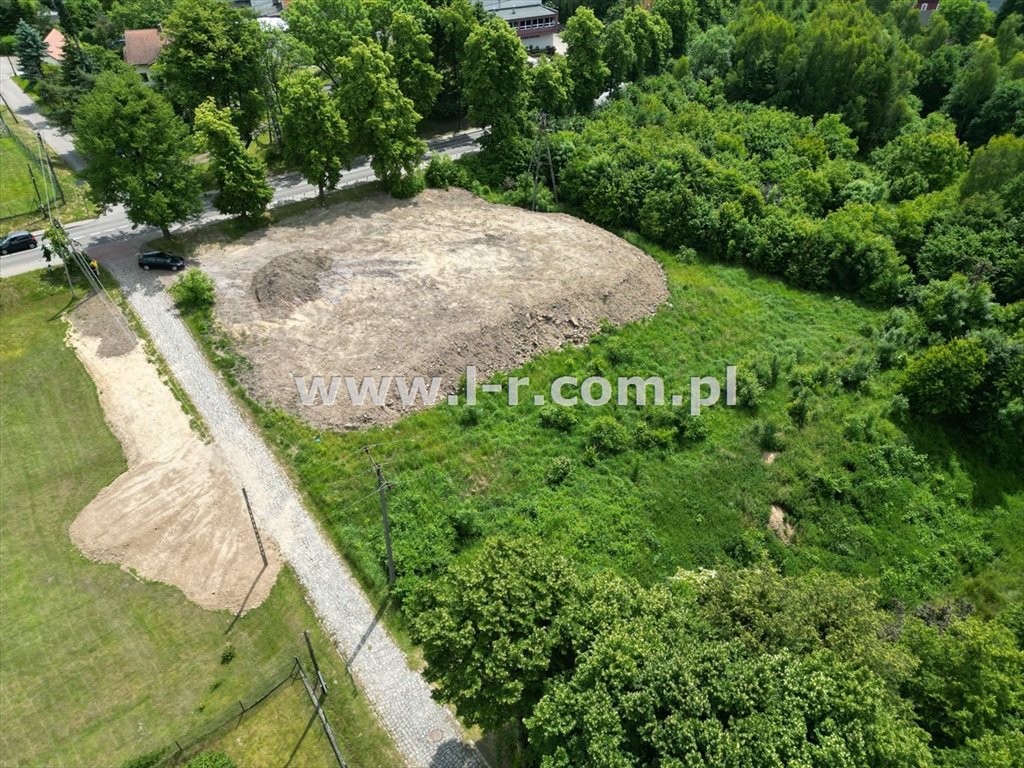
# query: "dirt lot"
(419, 287)
(175, 515)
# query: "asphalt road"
(114, 224)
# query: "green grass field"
(97, 666)
(17, 196)
(19, 208)
(871, 491)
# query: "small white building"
(536, 24)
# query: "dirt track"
(175, 515)
(419, 287)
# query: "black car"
(161, 260)
(18, 241)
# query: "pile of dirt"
(421, 287)
(176, 515)
(290, 280)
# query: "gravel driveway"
(425, 733)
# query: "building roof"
(517, 9)
(142, 46)
(55, 44)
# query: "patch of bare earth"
(779, 525)
(175, 516)
(423, 287)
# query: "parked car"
(161, 260)
(18, 241)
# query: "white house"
(536, 24)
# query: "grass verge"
(76, 206)
(98, 666)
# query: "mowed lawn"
(16, 193)
(97, 666)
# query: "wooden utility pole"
(383, 486)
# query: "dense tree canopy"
(381, 120)
(138, 152)
(213, 51)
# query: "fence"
(187, 746)
(28, 184)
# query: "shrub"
(767, 435)
(228, 656)
(799, 408)
(558, 471)
(442, 172)
(941, 381)
(748, 389)
(607, 436)
(691, 429)
(7, 45)
(468, 416)
(211, 760)
(408, 186)
(855, 372)
(558, 417)
(193, 290)
(144, 761)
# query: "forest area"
(835, 191)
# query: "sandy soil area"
(175, 516)
(418, 287)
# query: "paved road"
(23, 106)
(114, 224)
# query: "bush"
(558, 471)
(942, 380)
(145, 761)
(211, 760)
(607, 436)
(193, 290)
(408, 186)
(228, 656)
(442, 172)
(558, 417)
(7, 45)
(767, 435)
(691, 429)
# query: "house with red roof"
(55, 43)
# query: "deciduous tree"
(583, 33)
(242, 188)
(315, 136)
(138, 152)
(495, 85)
(328, 28)
(381, 120)
(414, 68)
(214, 50)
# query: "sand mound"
(176, 515)
(290, 280)
(419, 287)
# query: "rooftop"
(55, 44)
(142, 46)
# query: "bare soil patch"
(779, 525)
(418, 287)
(176, 515)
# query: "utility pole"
(383, 486)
